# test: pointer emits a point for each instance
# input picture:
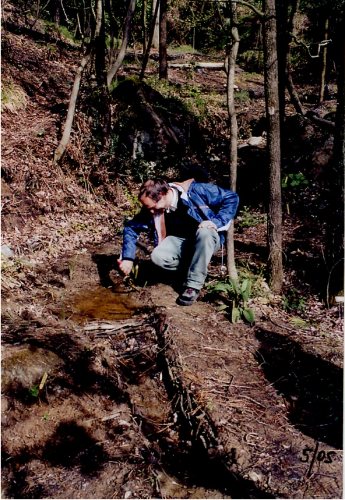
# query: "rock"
(255, 141)
(6, 251)
(25, 367)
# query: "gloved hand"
(207, 224)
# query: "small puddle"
(101, 303)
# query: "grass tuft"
(13, 97)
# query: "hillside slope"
(110, 390)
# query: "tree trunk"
(126, 32)
(295, 100)
(149, 44)
(282, 49)
(71, 109)
(144, 24)
(101, 75)
(100, 45)
(155, 18)
(231, 64)
(323, 65)
(335, 223)
(274, 226)
(76, 85)
(163, 56)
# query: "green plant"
(34, 391)
(62, 30)
(142, 169)
(13, 97)
(253, 60)
(249, 218)
(134, 203)
(238, 294)
(294, 180)
(242, 96)
(293, 301)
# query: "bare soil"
(112, 390)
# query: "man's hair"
(154, 189)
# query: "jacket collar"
(182, 187)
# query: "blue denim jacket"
(205, 201)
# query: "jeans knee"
(163, 259)
(206, 236)
(156, 258)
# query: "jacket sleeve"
(140, 223)
(220, 205)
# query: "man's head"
(154, 195)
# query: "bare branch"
(307, 47)
(247, 4)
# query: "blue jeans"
(194, 254)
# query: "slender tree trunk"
(76, 86)
(126, 32)
(155, 33)
(335, 222)
(71, 109)
(144, 24)
(295, 100)
(282, 49)
(323, 65)
(149, 43)
(100, 45)
(101, 75)
(274, 229)
(163, 56)
(231, 65)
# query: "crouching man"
(188, 221)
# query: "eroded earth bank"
(129, 395)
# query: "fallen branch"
(320, 121)
(110, 325)
(197, 65)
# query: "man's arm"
(131, 232)
(220, 205)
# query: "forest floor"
(112, 390)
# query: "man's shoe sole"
(182, 302)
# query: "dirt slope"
(171, 402)
(140, 398)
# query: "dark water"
(101, 303)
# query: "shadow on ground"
(312, 387)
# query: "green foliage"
(142, 169)
(237, 294)
(34, 391)
(250, 218)
(181, 49)
(252, 60)
(297, 180)
(194, 100)
(202, 27)
(299, 322)
(13, 97)
(242, 96)
(188, 98)
(61, 30)
(293, 301)
(134, 203)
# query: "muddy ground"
(141, 398)
(112, 390)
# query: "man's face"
(154, 206)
